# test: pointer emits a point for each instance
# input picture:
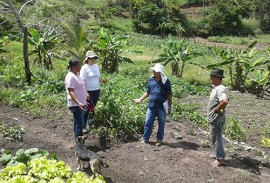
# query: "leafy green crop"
(43, 170)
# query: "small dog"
(82, 154)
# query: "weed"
(266, 131)
(12, 133)
(234, 131)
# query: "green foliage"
(12, 133)
(188, 111)
(228, 39)
(243, 63)
(42, 169)
(224, 19)
(234, 131)
(263, 13)
(178, 54)
(117, 117)
(182, 88)
(77, 38)
(44, 42)
(111, 48)
(23, 156)
(266, 131)
(265, 142)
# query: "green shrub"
(234, 130)
(266, 131)
(189, 112)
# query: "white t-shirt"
(90, 74)
(217, 95)
(77, 83)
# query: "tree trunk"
(25, 40)
(175, 68)
(25, 56)
(182, 70)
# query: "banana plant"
(3, 42)
(260, 81)
(111, 48)
(178, 54)
(44, 42)
(242, 62)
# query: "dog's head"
(81, 139)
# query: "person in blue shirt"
(159, 92)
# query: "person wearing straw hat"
(90, 73)
(216, 115)
(159, 91)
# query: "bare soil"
(178, 160)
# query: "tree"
(242, 62)
(224, 18)
(263, 13)
(24, 29)
(44, 43)
(178, 54)
(148, 15)
(76, 38)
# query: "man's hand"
(137, 100)
(220, 112)
(169, 111)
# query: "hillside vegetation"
(38, 38)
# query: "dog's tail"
(105, 165)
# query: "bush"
(234, 130)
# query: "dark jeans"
(151, 115)
(78, 116)
(94, 97)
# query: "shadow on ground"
(184, 145)
(246, 163)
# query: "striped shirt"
(158, 92)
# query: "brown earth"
(178, 160)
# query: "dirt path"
(178, 160)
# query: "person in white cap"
(90, 73)
(159, 91)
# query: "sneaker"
(158, 143)
(85, 130)
(144, 142)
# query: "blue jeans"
(78, 116)
(94, 97)
(151, 115)
(216, 128)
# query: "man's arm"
(221, 106)
(139, 100)
(169, 104)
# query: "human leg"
(161, 115)
(78, 120)
(149, 122)
(219, 146)
(94, 96)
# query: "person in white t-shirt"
(76, 95)
(91, 75)
(216, 115)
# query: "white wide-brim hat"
(160, 68)
(90, 54)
